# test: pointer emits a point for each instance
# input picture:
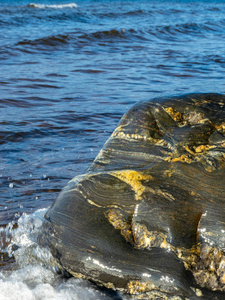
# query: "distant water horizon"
(69, 70)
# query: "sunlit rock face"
(148, 216)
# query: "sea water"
(68, 72)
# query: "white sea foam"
(39, 283)
(35, 276)
(54, 6)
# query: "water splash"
(34, 274)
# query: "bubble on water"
(11, 185)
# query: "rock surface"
(148, 216)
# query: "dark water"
(68, 72)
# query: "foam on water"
(36, 275)
(38, 283)
(55, 6)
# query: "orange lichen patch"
(192, 118)
(137, 287)
(182, 158)
(222, 278)
(207, 264)
(209, 169)
(148, 239)
(189, 256)
(168, 173)
(185, 158)
(203, 101)
(189, 150)
(221, 271)
(116, 218)
(192, 155)
(77, 275)
(203, 148)
(176, 116)
(108, 285)
(221, 127)
(133, 178)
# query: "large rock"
(148, 217)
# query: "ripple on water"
(68, 73)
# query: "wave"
(77, 39)
(162, 32)
(54, 6)
(49, 41)
(184, 31)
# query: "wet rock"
(148, 216)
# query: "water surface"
(68, 72)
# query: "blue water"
(68, 72)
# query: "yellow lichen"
(189, 150)
(145, 239)
(176, 116)
(133, 178)
(118, 221)
(194, 155)
(209, 169)
(77, 275)
(202, 148)
(207, 265)
(222, 279)
(221, 127)
(136, 287)
(168, 173)
(182, 158)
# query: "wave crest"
(55, 6)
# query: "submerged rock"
(148, 216)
